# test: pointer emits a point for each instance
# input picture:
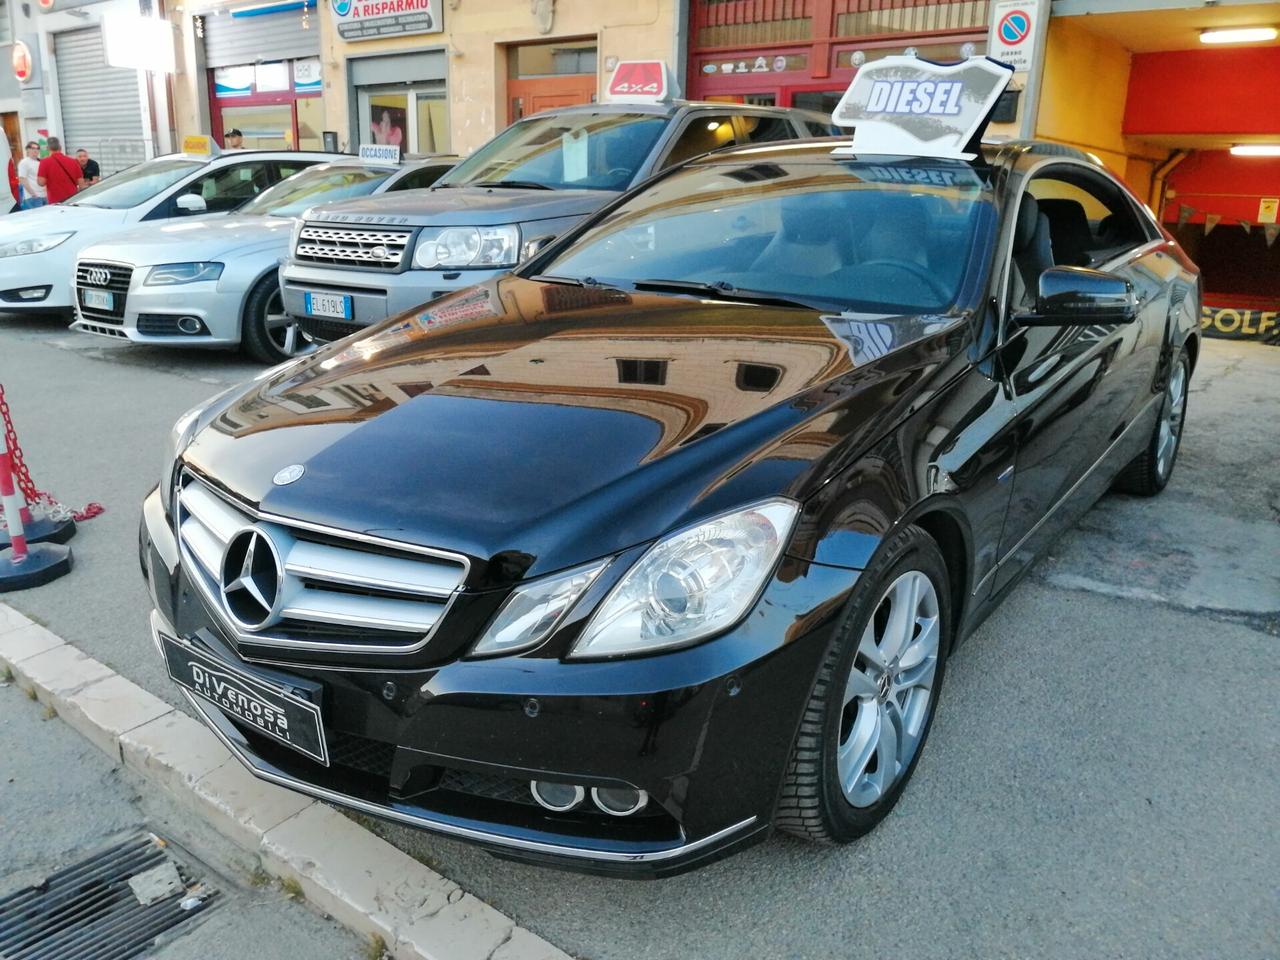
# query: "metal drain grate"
(88, 911)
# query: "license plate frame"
(98, 299)
(335, 305)
(256, 702)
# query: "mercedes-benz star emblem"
(98, 276)
(289, 474)
(251, 579)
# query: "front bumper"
(152, 314)
(375, 295)
(706, 732)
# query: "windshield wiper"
(518, 184)
(720, 290)
(591, 282)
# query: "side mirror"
(1077, 296)
(191, 203)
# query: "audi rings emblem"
(251, 579)
(98, 276)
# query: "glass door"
(416, 119)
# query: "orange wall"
(1204, 91)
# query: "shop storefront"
(804, 53)
(275, 103)
(400, 99)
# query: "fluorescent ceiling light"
(1238, 35)
(1256, 150)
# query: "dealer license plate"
(99, 299)
(329, 305)
(267, 707)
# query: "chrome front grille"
(111, 277)
(375, 247)
(333, 591)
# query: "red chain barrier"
(23, 475)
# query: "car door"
(1075, 388)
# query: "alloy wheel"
(889, 691)
(282, 329)
(1171, 422)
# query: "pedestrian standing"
(59, 174)
(90, 172)
(235, 139)
(14, 187)
(33, 195)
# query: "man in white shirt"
(33, 195)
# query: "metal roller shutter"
(101, 111)
(231, 39)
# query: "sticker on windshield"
(904, 106)
(957, 176)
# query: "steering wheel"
(622, 173)
(917, 271)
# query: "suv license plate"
(268, 708)
(329, 305)
(98, 299)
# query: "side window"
(1090, 219)
(815, 128)
(228, 187)
(287, 168)
(417, 179)
(766, 129)
(702, 133)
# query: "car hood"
(534, 426)
(477, 206)
(59, 218)
(199, 238)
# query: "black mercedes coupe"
(663, 541)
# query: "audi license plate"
(98, 299)
(328, 305)
(267, 707)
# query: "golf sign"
(903, 106)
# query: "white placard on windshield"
(380, 152)
(573, 147)
(903, 106)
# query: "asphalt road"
(1102, 780)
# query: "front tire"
(268, 333)
(1150, 471)
(873, 703)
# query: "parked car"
(213, 281)
(38, 249)
(359, 262)
(663, 541)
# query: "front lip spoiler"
(514, 845)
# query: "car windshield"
(587, 151)
(136, 184)
(887, 239)
(316, 185)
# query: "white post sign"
(1015, 26)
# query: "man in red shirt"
(59, 174)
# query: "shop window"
(704, 133)
(433, 125)
(649, 372)
(758, 377)
(559, 59)
(310, 123)
(268, 127)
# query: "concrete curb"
(344, 870)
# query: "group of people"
(35, 181)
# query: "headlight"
(21, 248)
(170, 273)
(691, 584)
(530, 614)
(180, 437)
(454, 247)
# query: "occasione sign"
(370, 19)
(22, 64)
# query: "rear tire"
(267, 333)
(1150, 471)
(874, 700)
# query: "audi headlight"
(534, 610)
(691, 584)
(171, 273)
(21, 248)
(456, 247)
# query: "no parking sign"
(1012, 38)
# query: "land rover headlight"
(21, 248)
(457, 247)
(691, 584)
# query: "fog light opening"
(190, 325)
(556, 797)
(33, 293)
(619, 801)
